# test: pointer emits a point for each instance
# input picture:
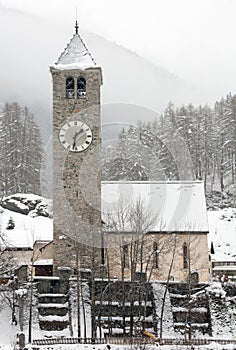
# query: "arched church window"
(185, 256)
(70, 87)
(125, 256)
(155, 255)
(81, 87)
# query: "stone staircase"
(54, 314)
(190, 309)
(53, 310)
(113, 312)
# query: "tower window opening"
(155, 255)
(185, 256)
(125, 256)
(81, 87)
(70, 87)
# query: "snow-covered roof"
(43, 262)
(179, 206)
(75, 56)
(224, 268)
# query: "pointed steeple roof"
(76, 55)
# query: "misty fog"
(30, 44)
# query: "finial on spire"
(76, 27)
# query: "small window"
(81, 87)
(125, 256)
(70, 87)
(155, 255)
(185, 256)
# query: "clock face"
(75, 136)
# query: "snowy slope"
(222, 232)
(35, 225)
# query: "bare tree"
(132, 223)
(173, 247)
(93, 315)
(31, 284)
(7, 262)
(8, 297)
(78, 284)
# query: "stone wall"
(199, 260)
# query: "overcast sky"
(191, 38)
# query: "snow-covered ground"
(31, 215)
(7, 330)
(212, 346)
(222, 232)
(168, 322)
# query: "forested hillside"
(21, 151)
(186, 143)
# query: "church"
(156, 231)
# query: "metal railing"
(167, 341)
(61, 340)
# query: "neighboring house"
(224, 270)
(16, 260)
(22, 258)
(26, 239)
(43, 262)
(19, 255)
(222, 224)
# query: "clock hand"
(78, 133)
(75, 135)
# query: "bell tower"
(76, 154)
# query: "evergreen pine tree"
(21, 150)
(11, 224)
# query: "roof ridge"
(64, 50)
(87, 49)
